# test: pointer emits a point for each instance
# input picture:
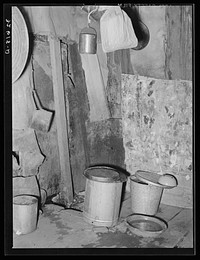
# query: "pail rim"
(24, 200)
(101, 176)
(146, 225)
(151, 178)
(135, 179)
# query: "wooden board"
(188, 239)
(165, 212)
(102, 60)
(61, 120)
(168, 212)
(182, 195)
(178, 227)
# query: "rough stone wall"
(157, 129)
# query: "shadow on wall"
(141, 30)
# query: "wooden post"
(61, 120)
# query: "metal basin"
(146, 226)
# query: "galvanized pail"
(145, 198)
(102, 195)
(25, 213)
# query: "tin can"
(88, 41)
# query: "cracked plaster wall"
(157, 130)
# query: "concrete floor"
(65, 228)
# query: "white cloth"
(116, 30)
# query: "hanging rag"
(116, 30)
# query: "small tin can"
(88, 41)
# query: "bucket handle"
(89, 13)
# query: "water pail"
(102, 195)
(25, 213)
(145, 198)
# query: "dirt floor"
(66, 228)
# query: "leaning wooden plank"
(61, 120)
(102, 59)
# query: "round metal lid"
(151, 178)
(146, 226)
(88, 30)
(104, 174)
(20, 43)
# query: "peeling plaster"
(163, 144)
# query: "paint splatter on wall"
(157, 124)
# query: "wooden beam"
(61, 121)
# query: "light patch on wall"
(95, 87)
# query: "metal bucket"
(88, 41)
(25, 213)
(145, 198)
(102, 196)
